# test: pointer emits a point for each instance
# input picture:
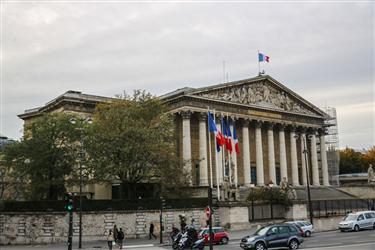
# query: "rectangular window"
(253, 174)
(278, 176)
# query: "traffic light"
(69, 202)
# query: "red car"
(220, 235)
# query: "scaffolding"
(332, 145)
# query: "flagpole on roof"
(258, 64)
(209, 144)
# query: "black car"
(280, 235)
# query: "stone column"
(271, 154)
(246, 153)
(314, 161)
(293, 156)
(303, 159)
(234, 156)
(219, 156)
(283, 166)
(259, 154)
(186, 143)
(203, 172)
(323, 156)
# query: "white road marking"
(341, 246)
(138, 246)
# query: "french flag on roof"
(263, 58)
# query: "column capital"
(203, 116)
(281, 126)
(258, 123)
(312, 131)
(322, 131)
(270, 125)
(302, 130)
(245, 122)
(185, 114)
(292, 128)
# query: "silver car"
(357, 221)
(306, 227)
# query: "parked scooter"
(189, 240)
(176, 239)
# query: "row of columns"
(203, 156)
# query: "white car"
(306, 227)
(357, 221)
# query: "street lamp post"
(305, 153)
(252, 201)
(82, 121)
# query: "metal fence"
(328, 208)
(266, 211)
(103, 205)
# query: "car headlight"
(250, 239)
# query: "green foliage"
(272, 195)
(352, 162)
(45, 158)
(132, 140)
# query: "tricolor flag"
(235, 139)
(227, 135)
(219, 137)
(263, 58)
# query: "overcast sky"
(322, 51)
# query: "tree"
(44, 160)
(131, 140)
(351, 162)
(369, 157)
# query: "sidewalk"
(138, 244)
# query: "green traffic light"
(69, 207)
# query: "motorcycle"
(176, 239)
(189, 240)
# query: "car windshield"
(262, 231)
(350, 217)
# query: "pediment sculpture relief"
(260, 94)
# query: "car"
(306, 227)
(220, 235)
(278, 235)
(357, 221)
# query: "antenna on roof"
(224, 71)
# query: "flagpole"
(258, 64)
(216, 163)
(209, 144)
(223, 153)
(229, 157)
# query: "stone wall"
(362, 192)
(39, 228)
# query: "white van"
(357, 221)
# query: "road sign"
(207, 210)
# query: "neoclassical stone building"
(272, 124)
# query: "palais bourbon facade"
(272, 122)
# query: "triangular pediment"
(263, 92)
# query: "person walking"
(151, 232)
(115, 233)
(110, 239)
(120, 238)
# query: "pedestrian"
(110, 239)
(151, 233)
(120, 238)
(115, 233)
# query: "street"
(326, 240)
(364, 240)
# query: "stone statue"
(370, 174)
(284, 184)
(225, 189)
